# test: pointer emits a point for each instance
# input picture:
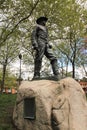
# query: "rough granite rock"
(60, 105)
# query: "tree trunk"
(84, 69)
(62, 68)
(3, 77)
(66, 68)
(73, 61)
(73, 70)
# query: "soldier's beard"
(43, 23)
(42, 27)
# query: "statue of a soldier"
(40, 43)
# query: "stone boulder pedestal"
(50, 105)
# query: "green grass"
(7, 102)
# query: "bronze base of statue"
(55, 78)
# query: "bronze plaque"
(29, 108)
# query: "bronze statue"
(40, 43)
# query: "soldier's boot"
(55, 69)
(37, 69)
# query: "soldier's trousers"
(45, 50)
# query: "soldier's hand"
(50, 46)
(36, 48)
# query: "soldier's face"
(43, 23)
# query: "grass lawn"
(7, 102)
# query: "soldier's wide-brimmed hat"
(41, 19)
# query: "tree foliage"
(10, 80)
(67, 22)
